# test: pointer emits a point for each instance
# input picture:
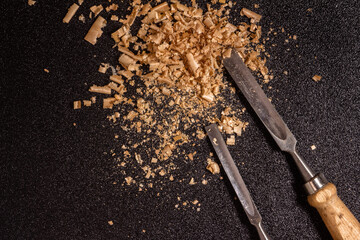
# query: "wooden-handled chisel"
(340, 222)
(235, 178)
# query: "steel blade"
(233, 173)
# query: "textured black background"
(56, 181)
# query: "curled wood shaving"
(77, 104)
(100, 89)
(31, 2)
(96, 30)
(250, 14)
(71, 12)
(96, 9)
(103, 67)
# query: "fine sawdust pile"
(174, 63)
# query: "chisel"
(322, 195)
(235, 178)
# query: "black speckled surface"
(56, 181)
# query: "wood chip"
(108, 102)
(77, 104)
(213, 167)
(31, 2)
(230, 140)
(96, 9)
(316, 78)
(71, 12)
(250, 14)
(100, 89)
(87, 103)
(96, 30)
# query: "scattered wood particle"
(96, 9)
(204, 182)
(313, 147)
(96, 30)
(114, 18)
(138, 158)
(110, 223)
(46, 70)
(82, 18)
(195, 202)
(87, 103)
(256, 5)
(77, 104)
(250, 14)
(192, 181)
(162, 172)
(71, 12)
(112, 7)
(80, 2)
(212, 166)
(128, 180)
(108, 103)
(103, 67)
(171, 178)
(230, 140)
(316, 78)
(31, 2)
(100, 89)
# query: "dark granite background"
(56, 181)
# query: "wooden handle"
(338, 219)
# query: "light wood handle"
(338, 219)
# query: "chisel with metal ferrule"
(322, 195)
(235, 178)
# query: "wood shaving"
(77, 104)
(96, 9)
(316, 78)
(103, 67)
(230, 140)
(100, 89)
(87, 103)
(82, 18)
(96, 30)
(213, 167)
(250, 14)
(71, 12)
(31, 2)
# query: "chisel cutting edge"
(340, 222)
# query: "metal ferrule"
(315, 184)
